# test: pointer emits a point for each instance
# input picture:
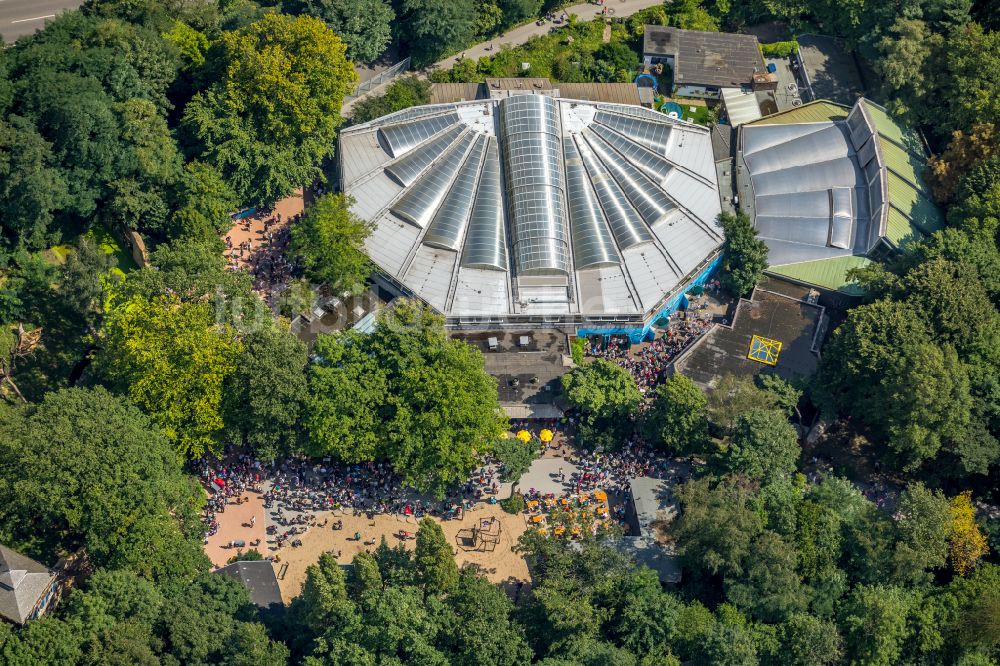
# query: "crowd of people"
(612, 471)
(263, 251)
(294, 491)
(648, 364)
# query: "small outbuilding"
(257, 576)
(740, 106)
(27, 588)
(650, 512)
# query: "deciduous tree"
(764, 446)
(875, 625)
(329, 242)
(923, 527)
(436, 28)
(264, 396)
(436, 568)
(809, 641)
(172, 359)
(678, 416)
(966, 543)
(272, 117)
(602, 390)
(407, 394)
(364, 25)
(32, 189)
(70, 474)
(745, 254)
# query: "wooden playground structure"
(483, 536)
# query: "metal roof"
(448, 226)
(811, 112)
(741, 107)
(533, 168)
(404, 136)
(486, 245)
(828, 183)
(532, 205)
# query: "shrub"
(401, 94)
(577, 347)
(515, 457)
(514, 504)
(252, 555)
(780, 49)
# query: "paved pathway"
(518, 36)
(521, 34)
(234, 523)
(23, 17)
(543, 476)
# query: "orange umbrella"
(601, 496)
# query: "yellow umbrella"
(545, 436)
(524, 436)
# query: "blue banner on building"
(637, 335)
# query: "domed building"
(532, 210)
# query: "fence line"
(380, 78)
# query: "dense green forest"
(164, 117)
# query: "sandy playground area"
(234, 525)
(501, 565)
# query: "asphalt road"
(23, 17)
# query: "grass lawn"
(699, 115)
(103, 239)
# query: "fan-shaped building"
(534, 210)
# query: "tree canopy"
(172, 359)
(678, 416)
(85, 468)
(329, 242)
(745, 255)
(269, 120)
(364, 25)
(405, 393)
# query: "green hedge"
(514, 504)
(780, 49)
(576, 350)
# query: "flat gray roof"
(655, 508)
(705, 58)
(797, 325)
